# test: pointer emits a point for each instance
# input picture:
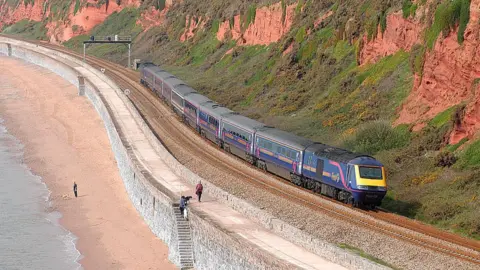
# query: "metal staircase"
(185, 245)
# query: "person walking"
(199, 190)
(75, 189)
(182, 204)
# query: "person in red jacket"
(199, 190)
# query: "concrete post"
(9, 49)
(129, 54)
(81, 85)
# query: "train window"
(320, 168)
(371, 172)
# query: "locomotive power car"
(343, 175)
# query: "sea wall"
(214, 247)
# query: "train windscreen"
(371, 172)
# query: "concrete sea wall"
(214, 247)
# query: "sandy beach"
(65, 141)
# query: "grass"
(470, 158)
(77, 7)
(447, 16)
(371, 74)
(28, 29)
(408, 8)
(443, 118)
(374, 137)
(251, 13)
(365, 255)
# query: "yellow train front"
(356, 179)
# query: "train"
(352, 178)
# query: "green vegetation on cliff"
(27, 29)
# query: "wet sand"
(65, 141)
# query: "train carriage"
(209, 119)
(147, 71)
(343, 175)
(191, 109)
(238, 134)
(160, 77)
(168, 85)
(280, 152)
(178, 98)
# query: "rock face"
(267, 27)
(449, 71)
(153, 17)
(10, 15)
(193, 23)
(400, 33)
(83, 21)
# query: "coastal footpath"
(222, 232)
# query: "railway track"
(163, 123)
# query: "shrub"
(376, 136)
(445, 159)
(471, 157)
(301, 34)
(407, 4)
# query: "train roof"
(243, 122)
(214, 109)
(163, 75)
(284, 137)
(154, 68)
(196, 99)
(338, 154)
(173, 82)
(183, 90)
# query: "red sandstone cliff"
(61, 30)
(449, 71)
(267, 27)
(10, 15)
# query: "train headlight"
(362, 187)
(381, 188)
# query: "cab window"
(371, 172)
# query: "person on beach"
(199, 190)
(75, 189)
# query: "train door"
(319, 171)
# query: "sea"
(30, 234)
